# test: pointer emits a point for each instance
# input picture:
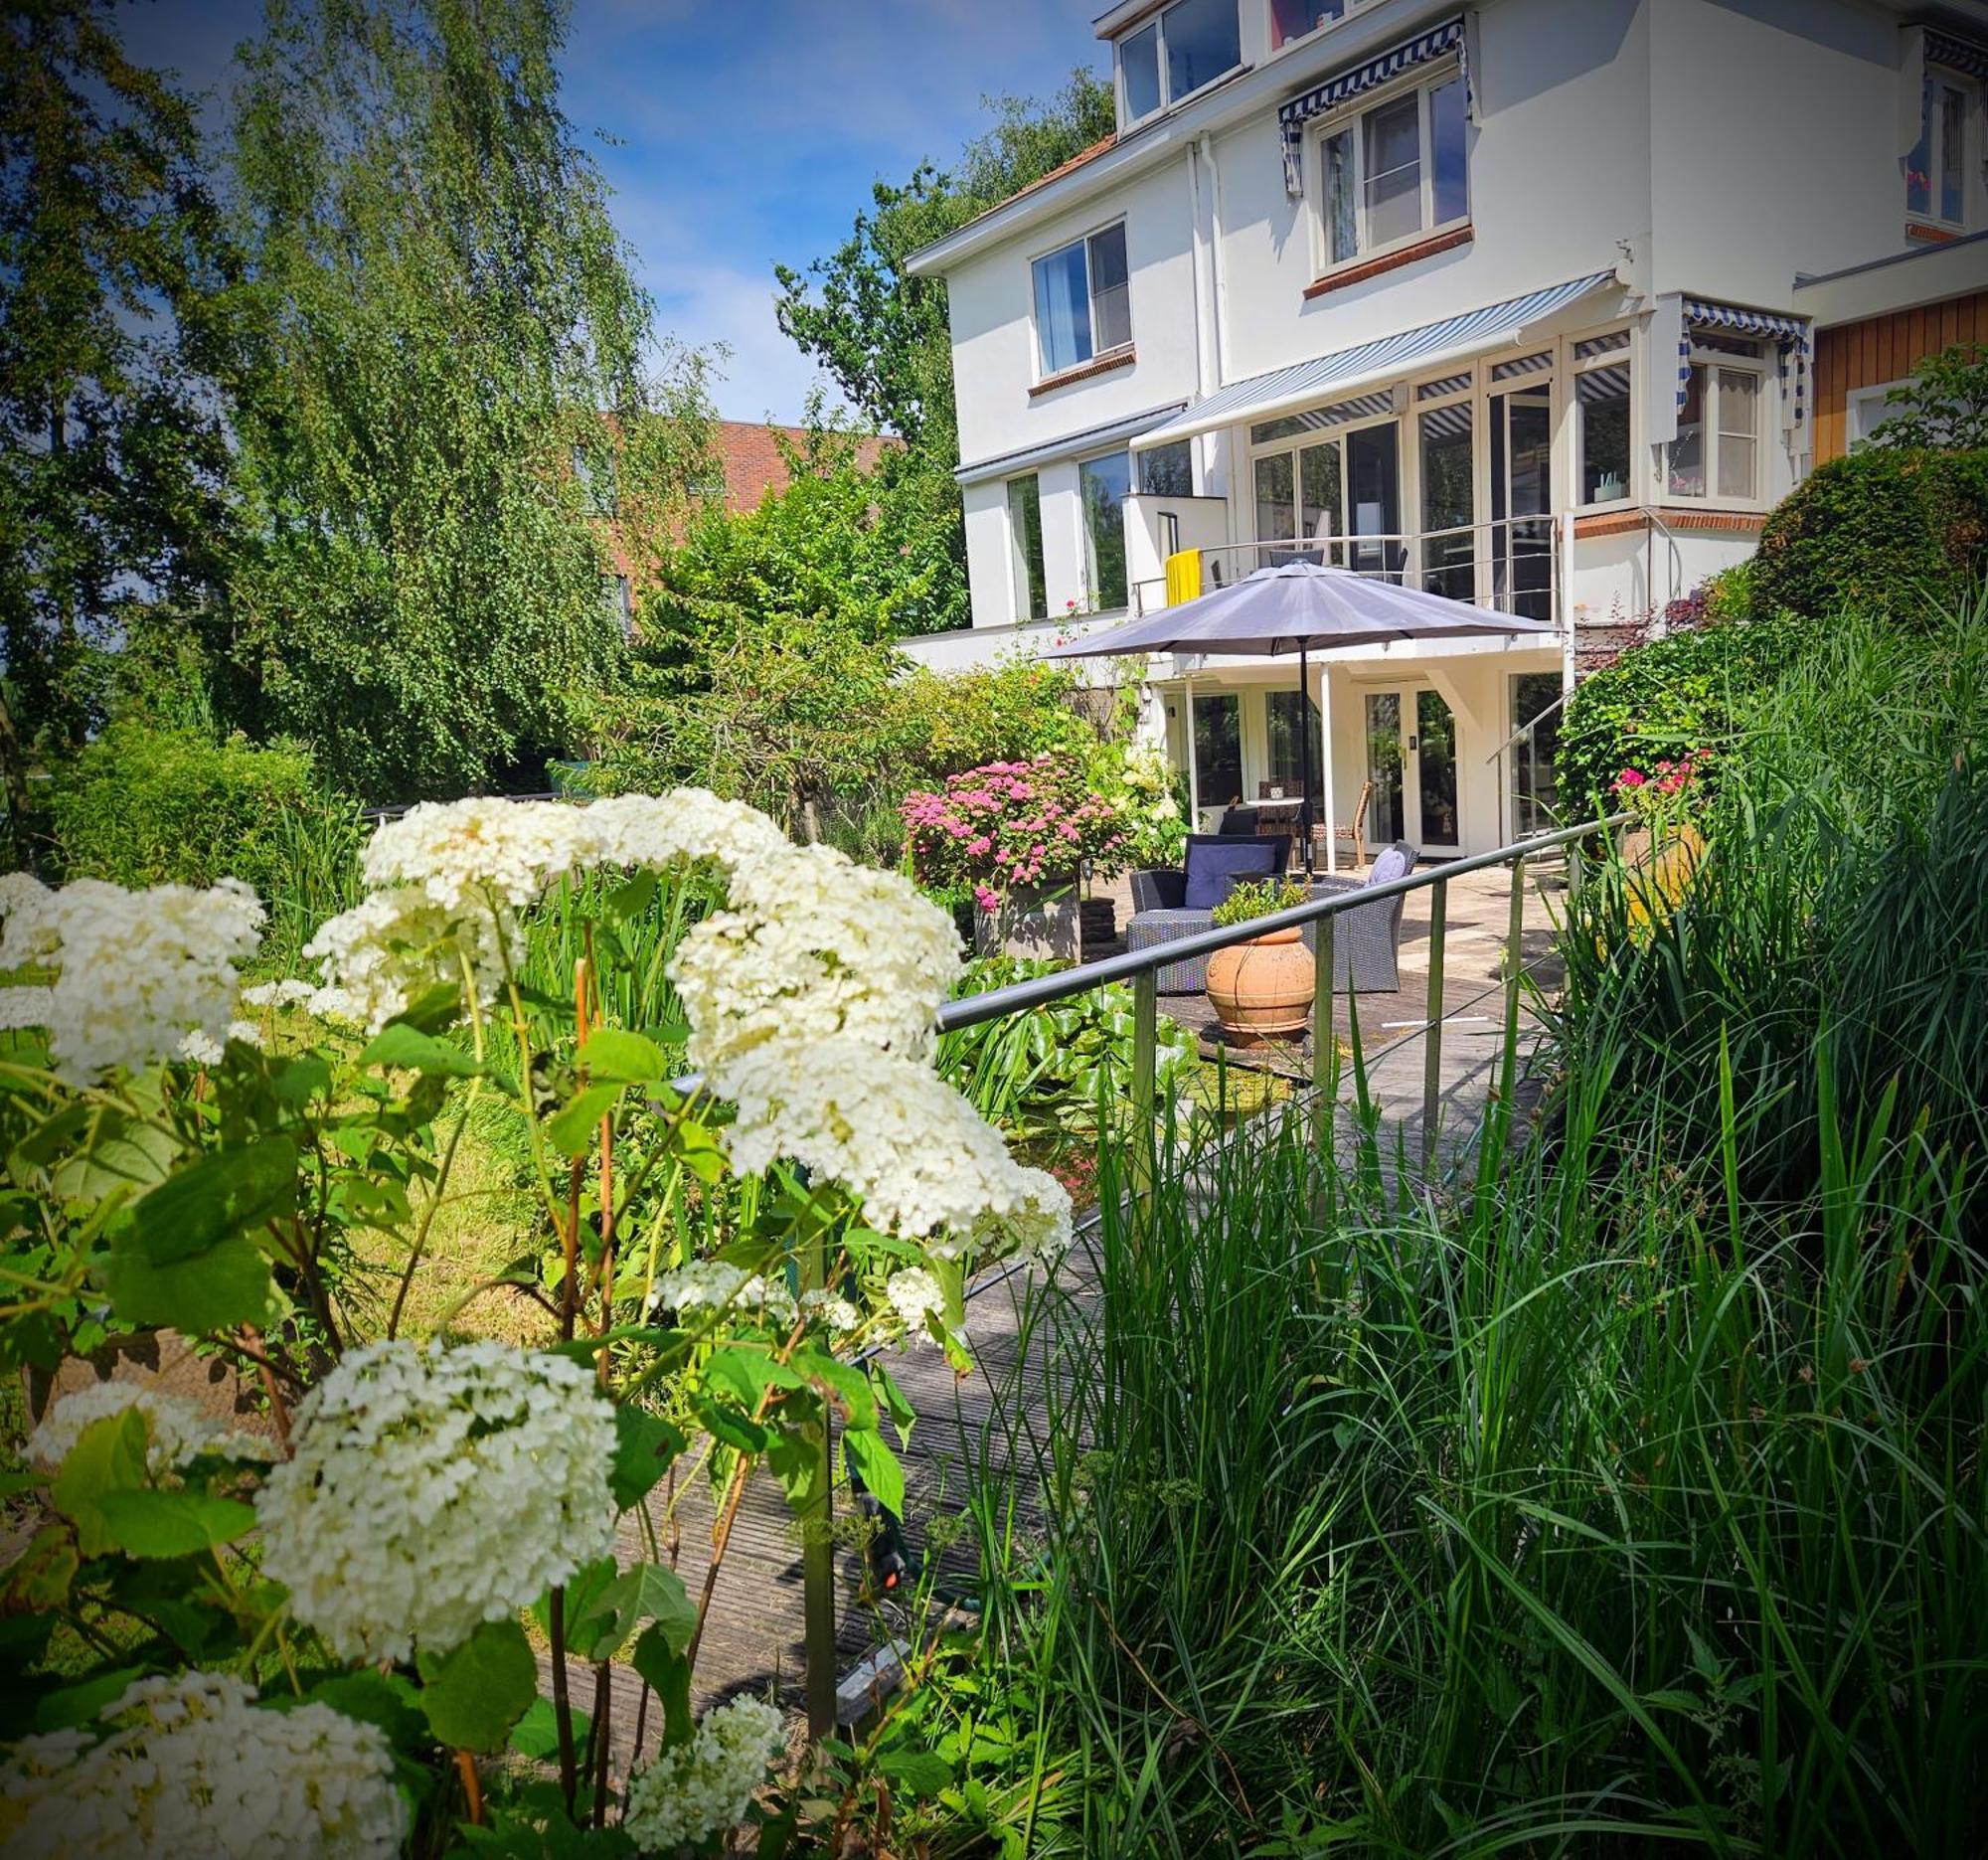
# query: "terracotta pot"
(1263, 988)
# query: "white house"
(1501, 298)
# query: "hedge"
(1887, 531)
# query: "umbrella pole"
(1304, 759)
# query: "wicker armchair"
(1161, 913)
(1366, 939)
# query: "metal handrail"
(1526, 729)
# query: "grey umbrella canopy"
(1296, 606)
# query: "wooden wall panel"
(1884, 348)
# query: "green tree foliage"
(1890, 532)
(882, 334)
(438, 318)
(1947, 406)
(112, 460)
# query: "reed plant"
(1623, 1489)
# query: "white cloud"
(766, 377)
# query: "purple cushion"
(1213, 868)
(1395, 863)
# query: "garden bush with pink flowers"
(1007, 824)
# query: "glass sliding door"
(1374, 500)
(1433, 748)
(1218, 749)
(1529, 763)
(1448, 542)
(1287, 714)
(1322, 499)
(1385, 758)
(1521, 498)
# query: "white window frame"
(1422, 85)
(1627, 356)
(1713, 360)
(1349, 9)
(1019, 602)
(1157, 21)
(1939, 78)
(1868, 407)
(1043, 371)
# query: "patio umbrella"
(1295, 607)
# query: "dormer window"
(1190, 44)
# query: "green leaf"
(226, 1286)
(198, 1206)
(109, 1456)
(896, 1402)
(668, 1671)
(699, 1152)
(612, 1053)
(401, 1046)
(917, 1771)
(78, 1704)
(848, 1381)
(869, 1455)
(644, 1446)
(737, 1431)
(745, 1374)
(583, 1590)
(536, 1735)
(575, 1125)
(632, 898)
(645, 1592)
(121, 1153)
(172, 1524)
(370, 1698)
(474, 1695)
(41, 1576)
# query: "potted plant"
(1263, 988)
(1019, 834)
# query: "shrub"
(1888, 530)
(1006, 713)
(142, 806)
(1674, 696)
(1011, 823)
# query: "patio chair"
(1168, 904)
(1366, 939)
(1235, 821)
(1356, 832)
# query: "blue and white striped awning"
(1456, 338)
(1788, 333)
(1344, 86)
(1956, 54)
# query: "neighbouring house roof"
(748, 455)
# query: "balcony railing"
(1511, 564)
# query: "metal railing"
(1508, 564)
(1141, 968)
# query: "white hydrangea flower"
(925, 1164)
(705, 1787)
(814, 946)
(434, 1490)
(914, 1295)
(461, 855)
(136, 972)
(717, 1285)
(291, 991)
(26, 1007)
(391, 946)
(178, 1432)
(836, 1312)
(191, 1765)
(684, 824)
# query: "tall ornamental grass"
(1623, 1492)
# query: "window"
(1190, 44)
(1865, 409)
(1396, 173)
(1166, 470)
(1601, 391)
(1082, 301)
(596, 482)
(1218, 749)
(1294, 19)
(1102, 482)
(1025, 549)
(1937, 169)
(620, 602)
(1449, 538)
(1717, 449)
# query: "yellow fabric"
(1183, 577)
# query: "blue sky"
(744, 132)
